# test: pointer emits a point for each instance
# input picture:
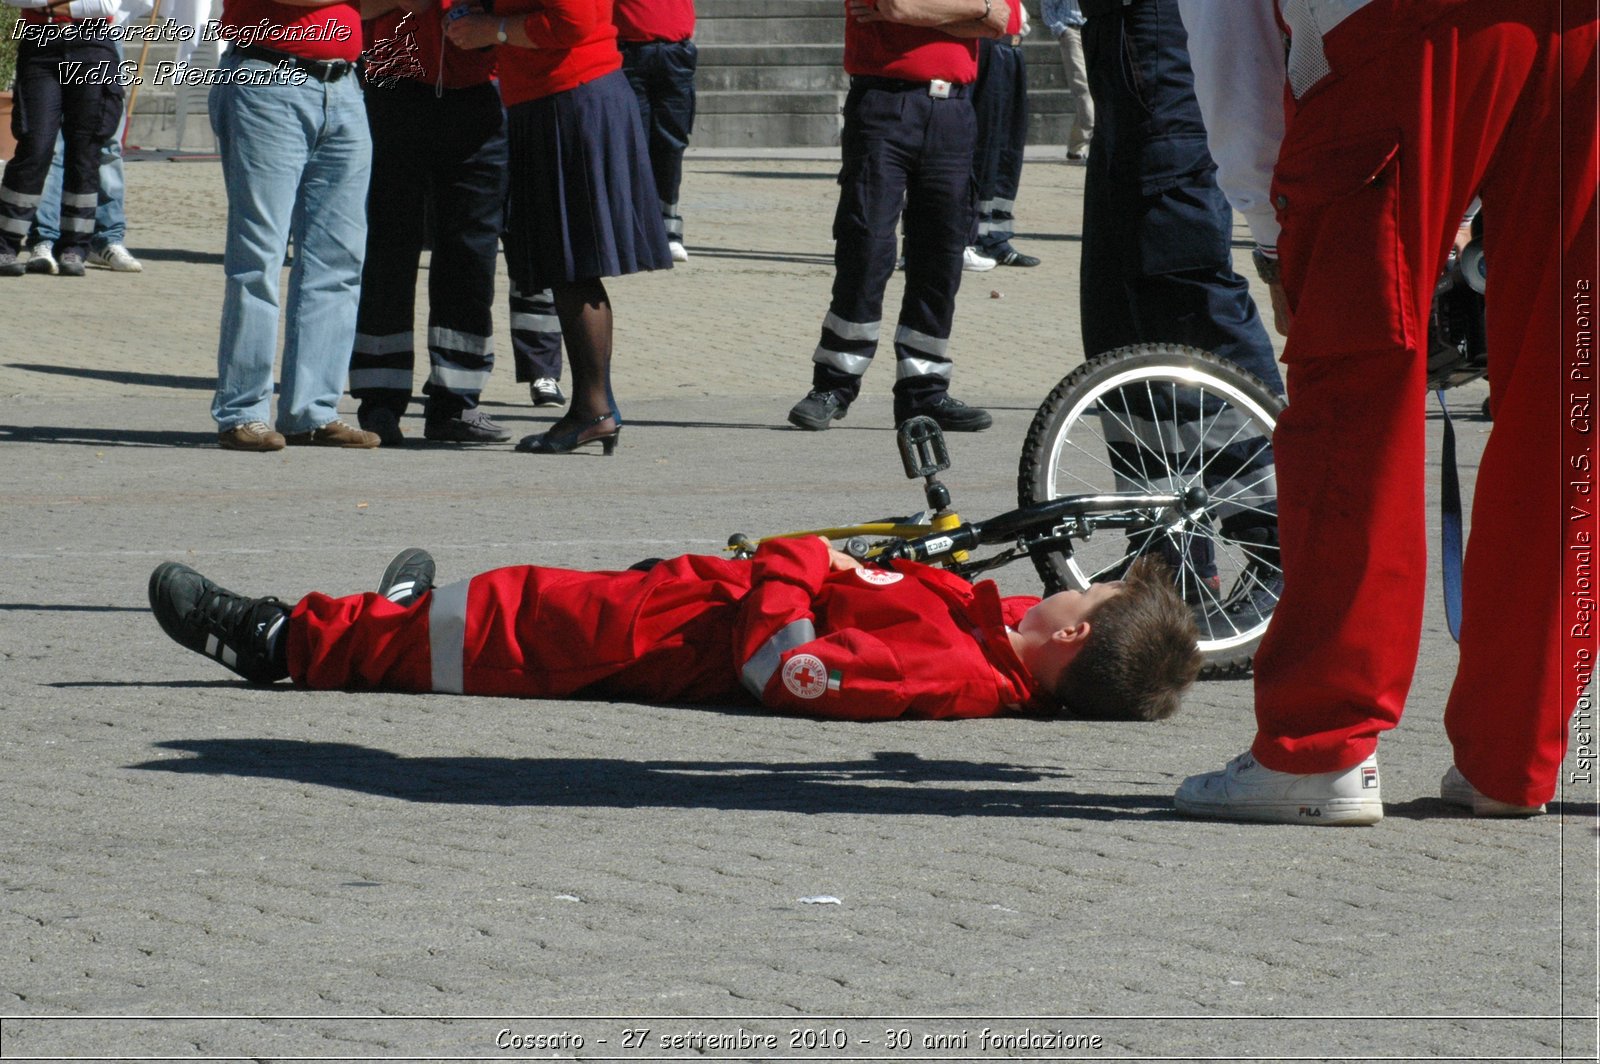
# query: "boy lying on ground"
(801, 628)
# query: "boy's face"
(1067, 609)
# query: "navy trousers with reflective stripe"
(76, 103)
(448, 151)
(1000, 98)
(535, 335)
(903, 152)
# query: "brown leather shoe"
(334, 434)
(251, 436)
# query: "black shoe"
(1010, 256)
(817, 411)
(468, 426)
(70, 263)
(565, 442)
(382, 422)
(951, 414)
(243, 634)
(408, 577)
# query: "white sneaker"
(115, 257)
(679, 252)
(42, 257)
(1245, 790)
(974, 262)
(1458, 790)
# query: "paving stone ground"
(194, 868)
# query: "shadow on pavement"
(888, 783)
(108, 437)
(122, 376)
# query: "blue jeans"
(110, 223)
(295, 159)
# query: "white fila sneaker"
(1247, 790)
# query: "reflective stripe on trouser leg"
(535, 335)
(920, 355)
(382, 364)
(447, 632)
(757, 672)
(460, 361)
(846, 347)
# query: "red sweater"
(863, 644)
(402, 45)
(655, 20)
(912, 53)
(332, 31)
(575, 42)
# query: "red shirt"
(655, 20)
(575, 42)
(332, 31)
(402, 45)
(912, 53)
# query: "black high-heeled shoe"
(551, 442)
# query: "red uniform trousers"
(857, 645)
(1430, 103)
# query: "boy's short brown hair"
(1141, 653)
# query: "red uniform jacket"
(863, 644)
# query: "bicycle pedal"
(922, 447)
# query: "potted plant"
(8, 72)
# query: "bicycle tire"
(1214, 421)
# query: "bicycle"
(1169, 449)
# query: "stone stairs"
(771, 76)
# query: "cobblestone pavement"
(195, 868)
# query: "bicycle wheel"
(1163, 417)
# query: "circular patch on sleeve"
(879, 576)
(804, 675)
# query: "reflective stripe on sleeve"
(447, 635)
(764, 662)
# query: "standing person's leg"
(1012, 132)
(536, 345)
(469, 191)
(1111, 201)
(872, 185)
(46, 228)
(107, 247)
(330, 233)
(383, 355)
(264, 135)
(1077, 73)
(939, 134)
(673, 122)
(1523, 648)
(38, 100)
(991, 97)
(1373, 175)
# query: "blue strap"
(1450, 523)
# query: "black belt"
(952, 89)
(321, 69)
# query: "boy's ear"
(1077, 633)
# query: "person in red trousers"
(800, 629)
(1399, 112)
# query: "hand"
(839, 561)
(999, 17)
(1281, 318)
(863, 11)
(473, 31)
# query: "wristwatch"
(500, 34)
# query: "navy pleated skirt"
(583, 201)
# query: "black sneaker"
(10, 265)
(239, 632)
(408, 577)
(951, 414)
(70, 263)
(468, 426)
(1010, 256)
(817, 411)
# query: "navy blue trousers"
(1157, 263)
(662, 76)
(1001, 100)
(447, 152)
(904, 151)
